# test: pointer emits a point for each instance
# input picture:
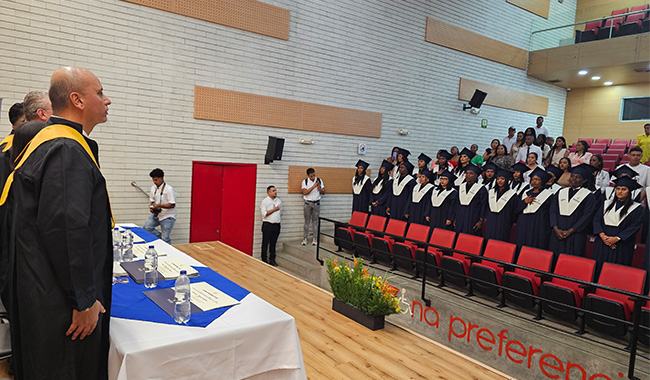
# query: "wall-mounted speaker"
(274, 149)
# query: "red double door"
(223, 204)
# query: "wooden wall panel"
(593, 9)
(594, 112)
(249, 15)
(538, 7)
(243, 108)
(457, 38)
(504, 97)
(336, 180)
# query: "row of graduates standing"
(547, 215)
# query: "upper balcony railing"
(575, 33)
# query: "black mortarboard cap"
(519, 167)
(557, 172)
(448, 174)
(543, 175)
(428, 174)
(409, 166)
(627, 182)
(405, 153)
(624, 170)
(475, 169)
(583, 170)
(387, 165)
(467, 152)
(362, 163)
(424, 158)
(490, 165)
(445, 154)
(507, 174)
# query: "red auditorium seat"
(610, 157)
(404, 253)
(565, 292)
(363, 239)
(644, 334)
(601, 146)
(606, 31)
(603, 141)
(525, 281)
(634, 142)
(590, 32)
(589, 141)
(609, 165)
(624, 160)
(490, 271)
(637, 257)
(382, 247)
(619, 152)
(344, 236)
(596, 150)
(639, 8)
(632, 25)
(621, 142)
(442, 238)
(612, 304)
(457, 265)
(572, 149)
(591, 244)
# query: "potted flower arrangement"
(363, 297)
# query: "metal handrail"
(584, 22)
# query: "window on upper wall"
(635, 108)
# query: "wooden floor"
(333, 346)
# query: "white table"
(252, 340)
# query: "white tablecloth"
(252, 340)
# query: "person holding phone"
(312, 189)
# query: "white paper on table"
(118, 271)
(171, 268)
(207, 297)
(139, 251)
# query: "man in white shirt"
(312, 189)
(271, 210)
(635, 164)
(511, 139)
(540, 129)
(162, 207)
(527, 148)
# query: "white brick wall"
(363, 54)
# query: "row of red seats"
(462, 261)
(615, 27)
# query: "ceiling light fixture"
(608, 83)
(583, 72)
(595, 77)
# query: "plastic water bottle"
(151, 268)
(127, 246)
(117, 245)
(182, 307)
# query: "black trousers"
(270, 233)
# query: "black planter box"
(373, 323)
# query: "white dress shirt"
(508, 141)
(524, 150)
(313, 195)
(541, 131)
(269, 204)
(163, 195)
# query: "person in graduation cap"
(531, 162)
(381, 189)
(444, 198)
(623, 171)
(361, 188)
(464, 161)
(402, 156)
(554, 173)
(571, 214)
(533, 224)
(418, 208)
(616, 223)
(401, 192)
(503, 205)
(423, 164)
(518, 184)
(472, 198)
(489, 175)
(441, 166)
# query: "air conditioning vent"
(641, 71)
(554, 81)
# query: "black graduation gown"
(417, 211)
(399, 203)
(5, 170)
(580, 220)
(382, 196)
(361, 201)
(61, 259)
(439, 215)
(499, 223)
(468, 215)
(534, 228)
(626, 230)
